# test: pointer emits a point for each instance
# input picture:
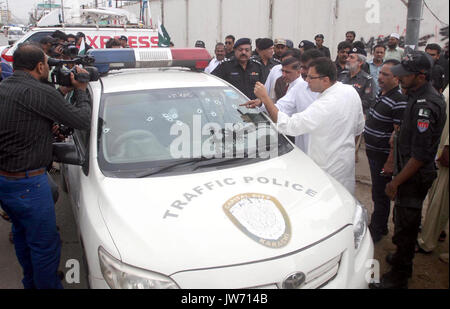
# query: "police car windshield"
(152, 129)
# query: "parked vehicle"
(177, 185)
(15, 34)
(96, 37)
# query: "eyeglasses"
(228, 43)
(315, 77)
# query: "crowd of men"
(394, 102)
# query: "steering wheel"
(136, 144)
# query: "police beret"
(264, 44)
(242, 42)
(357, 50)
(200, 44)
(416, 62)
(305, 44)
(123, 38)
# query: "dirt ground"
(429, 272)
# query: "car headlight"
(360, 220)
(122, 276)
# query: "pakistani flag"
(163, 36)
(82, 50)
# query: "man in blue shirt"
(376, 63)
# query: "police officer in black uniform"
(265, 56)
(358, 78)
(416, 147)
(242, 71)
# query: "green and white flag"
(82, 50)
(163, 36)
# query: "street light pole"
(413, 23)
(7, 12)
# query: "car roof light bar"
(110, 59)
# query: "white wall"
(211, 20)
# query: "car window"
(154, 127)
(36, 37)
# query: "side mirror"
(67, 153)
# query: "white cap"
(395, 35)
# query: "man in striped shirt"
(383, 117)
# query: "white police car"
(178, 186)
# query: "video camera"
(61, 74)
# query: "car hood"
(229, 216)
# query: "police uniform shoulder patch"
(423, 125)
(424, 113)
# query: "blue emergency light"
(122, 58)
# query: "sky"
(21, 8)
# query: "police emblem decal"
(422, 125)
(261, 217)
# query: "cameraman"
(29, 108)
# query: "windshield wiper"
(221, 162)
(160, 169)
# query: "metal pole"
(62, 11)
(413, 23)
(270, 34)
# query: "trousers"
(407, 217)
(381, 202)
(29, 204)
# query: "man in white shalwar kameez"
(333, 121)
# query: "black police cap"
(414, 63)
(242, 41)
(357, 50)
(306, 45)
